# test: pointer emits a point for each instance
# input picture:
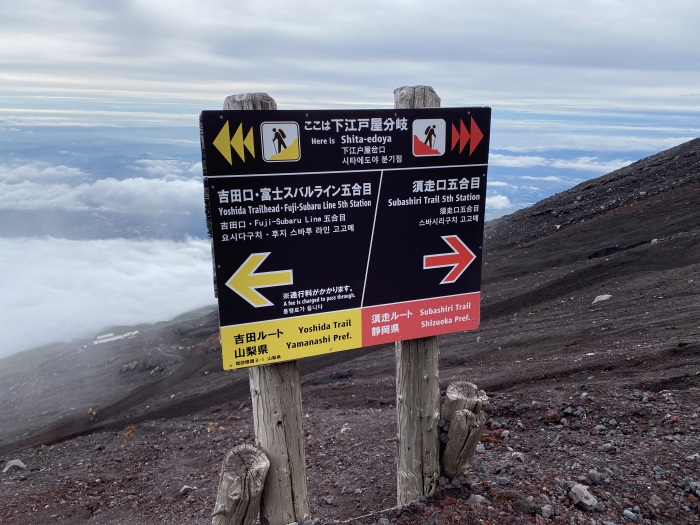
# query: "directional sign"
(462, 136)
(245, 282)
(224, 142)
(335, 230)
(459, 259)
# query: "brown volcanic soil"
(603, 394)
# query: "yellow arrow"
(249, 142)
(223, 143)
(245, 281)
(237, 142)
(240, 144)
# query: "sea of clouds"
(59, 289)
(99, 227)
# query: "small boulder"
(595, 477)
(583, 499)
(14, 463)
(603, 297)
(476, 499)
(186, 489)
(631, 516)
(551, 416)
(607, 448)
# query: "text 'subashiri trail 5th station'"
(339, 229)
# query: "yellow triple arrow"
(224, 142)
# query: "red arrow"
(460, 258)
(477, 135)
(461, 136)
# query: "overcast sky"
(162, 61)
(578, 89)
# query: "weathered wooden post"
(278, 421)
(249, 101)
(417, 379)
(464, 412)
(277, 411)
(241, 483)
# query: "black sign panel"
(360, 226)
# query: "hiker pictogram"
(280, 141)
(278, 137)
(429, 137)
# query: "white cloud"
(598, 133)
(592, 164)
(58, 289)
(122, 196)
(39, 172)
(511, 161)
(548, 178)
(169, 169)
(498, 203)
(144, 194)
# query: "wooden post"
(463, 411)
(410, 97)
(240, 486)
(417, 379)
(278, 419)
(277, 411)
(233, 102)
(249, 101)
(417, 414)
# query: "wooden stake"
(277, 411)
(464, 410)
(461, 395)
(240, 486)
(462, 438)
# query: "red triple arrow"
(460, 258)
(463, 135)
